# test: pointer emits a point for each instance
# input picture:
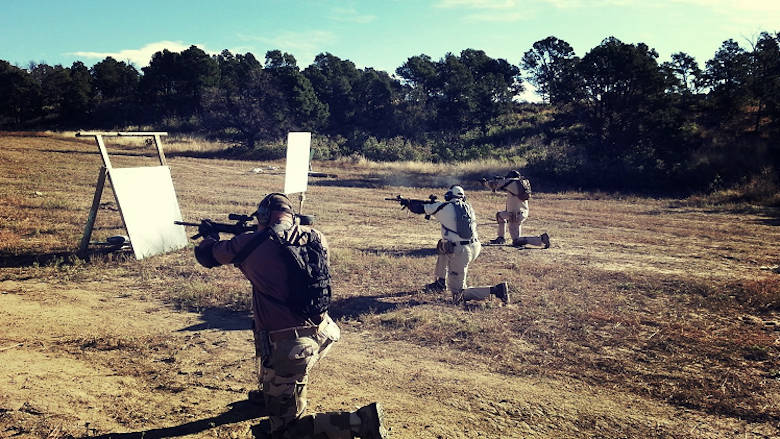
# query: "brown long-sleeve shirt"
(267, 272)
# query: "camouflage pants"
(285, 374)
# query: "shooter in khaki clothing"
(458, 247)
(518, 193)
(288, 343)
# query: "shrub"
(394, 149)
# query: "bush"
(394, 149)
(327, 147)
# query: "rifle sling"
(442, 206)
(250, 246)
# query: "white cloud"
(303, 45)
(723, 6)
(498, 17)
(741, 14)
(491, 11)
(477, 4)
(351, 15)
(762, 6)
(727, 7)
(139, 57)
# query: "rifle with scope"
(208, 227)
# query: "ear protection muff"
(272, 202)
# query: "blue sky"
(380, 34)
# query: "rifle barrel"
(185, 223)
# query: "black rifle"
(207, 226)
(405, 202)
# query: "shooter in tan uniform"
(518, 192)
(287, 341)
(458, 247)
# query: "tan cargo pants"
(515, 221)
(453, 264)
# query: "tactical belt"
(292, 333)
(470, 241)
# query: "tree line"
(613, 117)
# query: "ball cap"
(275, 202)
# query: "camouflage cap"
(277, 202)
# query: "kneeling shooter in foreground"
(288, 267)
(458, 247)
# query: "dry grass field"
(647, 318)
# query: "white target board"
(147, 202)
(296, 172)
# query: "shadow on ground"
(14, 260)
(218, 318)
(356, 306)
(411, 253)
(239, 411)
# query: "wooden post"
(158, 144)
(93, 212)
(103, 151)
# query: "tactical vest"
(465, 224)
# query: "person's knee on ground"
(457, 296)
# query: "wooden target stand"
(114, 175)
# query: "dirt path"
(101, 360)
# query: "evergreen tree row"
(614, 114)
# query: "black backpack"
(307, 271)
